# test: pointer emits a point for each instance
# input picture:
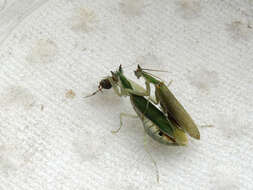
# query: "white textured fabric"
(55, 52)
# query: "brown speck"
(41, 107)
(70, 94)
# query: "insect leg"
(152, 159)
(139, 90)
(169, 83)
(206, 125)
(121, 123)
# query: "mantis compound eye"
(105, 83)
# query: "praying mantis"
(166, 126)
(155, 122)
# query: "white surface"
(53, 140)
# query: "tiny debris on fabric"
(70, 94)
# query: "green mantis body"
(155, 123)
(170, 105)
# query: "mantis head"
(106, 83)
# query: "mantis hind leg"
(152, 159)
(121, 118)
(169, 83)
(206, 125)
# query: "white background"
(55, 52)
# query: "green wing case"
(153, 114)
(176, 110)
